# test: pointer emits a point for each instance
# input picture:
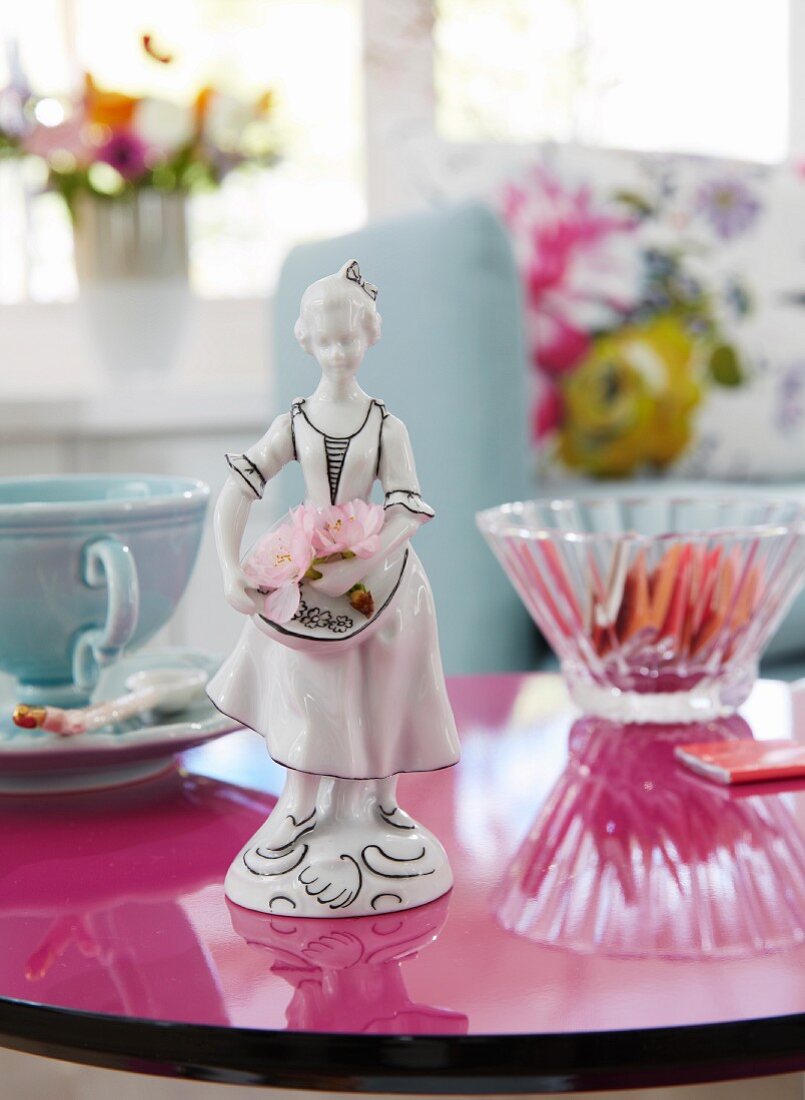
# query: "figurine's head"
(338, 320)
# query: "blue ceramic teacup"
(89, 566)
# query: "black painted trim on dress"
(241, 474)
(231, 459)
(414, 511)
(384, 413)
(328, 775)
(295, 410)
(340, 438)
(343, 638)
(488, 1064)
(299, 407)
(426, 510)
(335, 462)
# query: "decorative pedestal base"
(335, 866)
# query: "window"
(676, 75)
(308, 52)
(448, 83)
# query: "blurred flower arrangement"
(109, 145)
(625, 331)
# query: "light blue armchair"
(450, 364)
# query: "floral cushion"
(665, 313)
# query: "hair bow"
(353, 273)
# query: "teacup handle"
(107, 562)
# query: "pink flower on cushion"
(353, 527)
(579, 263)
(558, 345)
(278, 561)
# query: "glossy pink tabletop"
(615, 920)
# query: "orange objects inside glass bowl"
(668, 598)
(685, 601)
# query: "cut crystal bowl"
(658, 607)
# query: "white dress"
(377, 706)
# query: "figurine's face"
(337, 337)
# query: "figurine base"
(341, 868)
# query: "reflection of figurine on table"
(347, 975)
(349, 693)
(631, 856)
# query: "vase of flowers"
(131, 260)
(125, 166)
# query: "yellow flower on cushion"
(629, 402)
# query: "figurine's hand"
(339, 576)
(240, 592)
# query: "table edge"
(411, 1064)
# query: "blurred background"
(585, 218)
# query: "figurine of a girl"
(346, 699)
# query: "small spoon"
(162, 690)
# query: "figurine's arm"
(405, 510)
(250, 473)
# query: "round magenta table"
(616, 921)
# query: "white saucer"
(35, 761)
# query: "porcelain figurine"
(338, 664)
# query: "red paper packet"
(744, 761)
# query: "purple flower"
(729, 205)
(790, 410)
(125, 152)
